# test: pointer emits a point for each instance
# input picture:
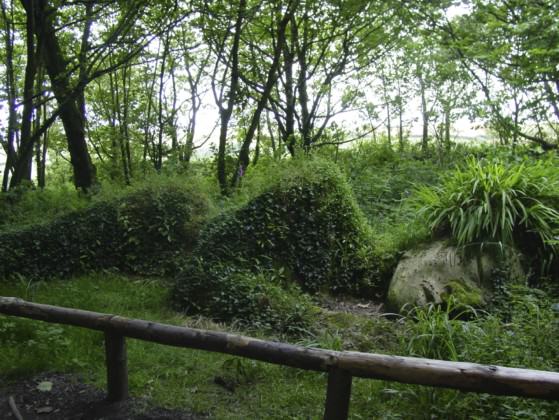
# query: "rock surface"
(433, 272)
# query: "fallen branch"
(14, 408)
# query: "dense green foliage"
(143, 232)
(293, 227)
(494, 202)
(305, 229)
(28, 206)
(267, 221)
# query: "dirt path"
(64, 396)
(351, 305)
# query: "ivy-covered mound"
(305, 232)
(142, 232)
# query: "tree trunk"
(70, 113)
(9, 146)
(226, 112)
(447, 128)
(306, 128)
(424, 116)
(118, 135)
(289, 137)
(42, 165)
(22, 166)
(244, 160)
(400, 117)
(160, 123)
(387, 106)
(126, 77)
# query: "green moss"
(463, 293)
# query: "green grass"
(184, 378)
(171, 377)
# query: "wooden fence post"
(338, 395)
(117, 371)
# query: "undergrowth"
(304, 233)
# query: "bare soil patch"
(66, 396)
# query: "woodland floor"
(69, 398)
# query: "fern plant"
(493, 202)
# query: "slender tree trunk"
(226, 112)
(306, 126)
(244, 160)
(148, 138)
(38, 148)
(516, 113)
(118, 135)
(447, 125)
(23, 164)
(424, 116)
(41, 171)
(400, 118)
(160, 122)
(289, 138)
(387, 106)
(112, 115)
(9, 145)
(37, 126)
(82, 57)
(257, 151)
(174, 111)
(271, 134)
(126, 77)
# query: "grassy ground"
(226, 387)
(169, 376)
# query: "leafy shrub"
(306, 226)
(159, 225)
(77, 241)
(382, 180)
(492, 202)
(140, 232)
(261, 298)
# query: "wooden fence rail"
(341, 366)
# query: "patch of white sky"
(355, 119)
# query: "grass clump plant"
(493, 202)
(521, 331)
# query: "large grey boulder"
(433, 272)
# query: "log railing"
(340, 365)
